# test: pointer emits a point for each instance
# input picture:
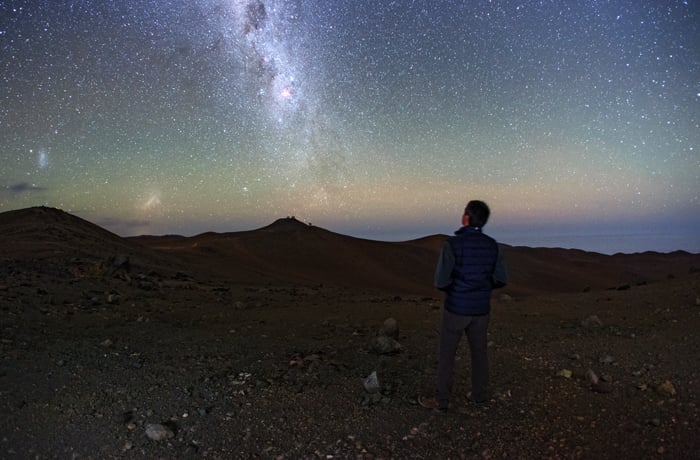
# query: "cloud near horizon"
(22, 187)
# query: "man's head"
(476, 214)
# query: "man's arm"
(443, 271)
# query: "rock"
(113, 298)
(371, 383)
(606, 359)
(106, 343)
(117, 265)
(390, 328)
(592, 377)
(158, 432)
(385, 341)
(591, 321)
(566, 373)
(666, 389)
(384, 345)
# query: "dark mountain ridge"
(291, 252)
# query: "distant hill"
(55, 236)
(290, 252)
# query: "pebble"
(591, 321)
(666, 388)
(158, 432)
(592, 377)
(390, 328)
(385, 345)
(371, 382)
(566, 373)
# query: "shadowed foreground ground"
(98, 349)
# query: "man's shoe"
(432, 404)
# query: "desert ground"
(258, 344)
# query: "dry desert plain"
(257, 344)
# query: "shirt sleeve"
(443, 271)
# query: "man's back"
(475, 256)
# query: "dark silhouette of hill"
(291, 252)
(53, 236)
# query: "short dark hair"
(478, 213)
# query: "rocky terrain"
(259, 344)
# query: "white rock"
(371, 383)
(158, 432)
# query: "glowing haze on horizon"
(375, 119)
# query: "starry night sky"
(577, 119)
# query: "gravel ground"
(99, 362)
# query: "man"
(469, 268)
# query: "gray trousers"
(452, 327)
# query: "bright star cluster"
(376, 119)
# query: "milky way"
(369, 118)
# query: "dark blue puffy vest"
(475, 260)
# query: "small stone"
(106, 343)
(566, 373)
(158, 432)
(128, 445)
(390, 328)
(592, 377)
(113, 298)
(371, 383)
(666, 389)
(385, 345)
(592, 321)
